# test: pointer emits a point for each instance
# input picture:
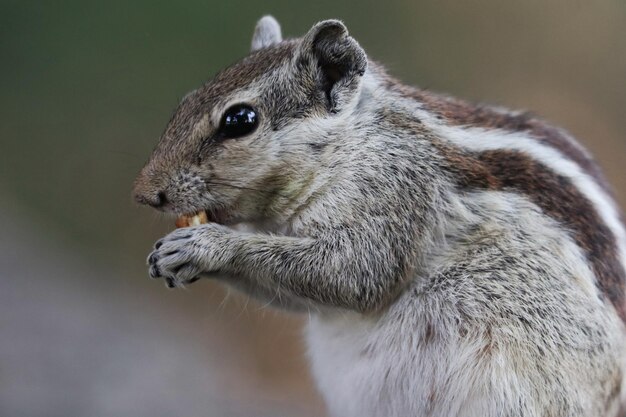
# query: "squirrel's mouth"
(196, 219)
(201, 217)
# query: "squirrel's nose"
(154, 199)
(150, 188)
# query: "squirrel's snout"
(154, 199)
(148, 193)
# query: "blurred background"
(86, 88)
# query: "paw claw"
(152, 258)
(154, 272)
(192, 280)
(184, 254)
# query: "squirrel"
(456, 259)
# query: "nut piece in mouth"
(195, 220)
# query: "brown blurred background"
(85, 89)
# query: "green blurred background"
(85, 90)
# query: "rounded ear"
(338, 59)
(266, 33)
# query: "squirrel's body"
(477, 322)
(457, 260)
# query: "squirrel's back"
(497, 149)
(524, 291)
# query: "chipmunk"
(456, 260)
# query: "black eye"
(238, 120)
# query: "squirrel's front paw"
(184, 254)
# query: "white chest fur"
(364, 370)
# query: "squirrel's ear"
(338, 60)
(266, 33)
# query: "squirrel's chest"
(343, 367)
(364, 369)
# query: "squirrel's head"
(245, 143)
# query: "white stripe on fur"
(479, 139)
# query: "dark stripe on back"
(508, 170)
(461, 113)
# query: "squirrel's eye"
(237, 121)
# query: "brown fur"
(233, 78)
(556, 196)
(512, 170)
(462, 113)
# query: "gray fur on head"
(266, 33)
